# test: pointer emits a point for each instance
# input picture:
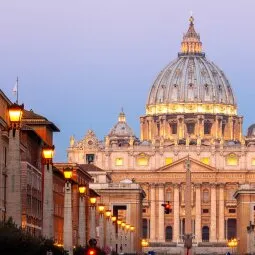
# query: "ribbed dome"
(191, 78)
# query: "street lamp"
(82, 228)
(48, 209)
(101, 209)
(68, 231)
(127, 238)
(232, 244)
(108, 215)
(13, 195)
(92, 229)
(132, 229)
(113, 233)
(15, 115)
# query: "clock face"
(90, 142)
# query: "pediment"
(180, 166)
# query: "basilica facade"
(191, 114)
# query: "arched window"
(205, 234)
(169, 233)
(206, 197)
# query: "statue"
(72, 140)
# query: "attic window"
(119, 162)
(142, 161)
(232, 160)
(205, 160)
(168, 161)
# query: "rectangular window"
(205, 160)
(207, 128)
(142, 161)
(173, 127)
(205, 210)
(168, 161)
(119, 162)
(232, 210)
(90, 158)
(190, 128)
(253, 162)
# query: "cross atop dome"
(191, 43)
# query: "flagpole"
(17, 100)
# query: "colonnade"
(157, 216)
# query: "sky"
(79, 62)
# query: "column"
(82, 227)
(176, 213)
(14, 179)
(101, 230)
(161, 214)
(68, 229)
(221, 213)
(92, 227)
(213, 214)
(152, 212)
(198, 213)
(48, 227)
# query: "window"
(253, 161)
(232, 210)
(205, 160)
(168, 161)
(169, 233)
(168, 196)
(205, 234)
(207, 128)
(142, 160)
(190, 128)
(173, 127)
(205, 210)
(90, 158)
(119, 162)
(206, 196)
(232, 160)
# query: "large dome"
(191, 83)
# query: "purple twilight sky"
(80, 61)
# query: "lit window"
(253, 162)
(142, 160)
(232, 160)
(205, 160)
(168, 161)
(119, 162)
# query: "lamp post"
(13, 194)
(119, 248)
(82, 219)
(127, 238)
(108, 215)
(92, 227)
(101, 226)
(113, 234)
(48, 226)
(68, 228)
(132, 229)
(123, 225)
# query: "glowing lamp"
(82, 189)
(119, 222)
(15, 113)
(132, 228)
(144, 243)
(47, 154)
(127, 226)
(114, 218)
(68, 173)
(93, 200)
(108, 213)
(123, 224)
(101, 209)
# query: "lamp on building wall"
(48, 209)
(13, 187)
(82, 215)
(101, 209)
(92, 227)
(15, 115)
(68, 228)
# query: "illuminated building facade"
(191, 112)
